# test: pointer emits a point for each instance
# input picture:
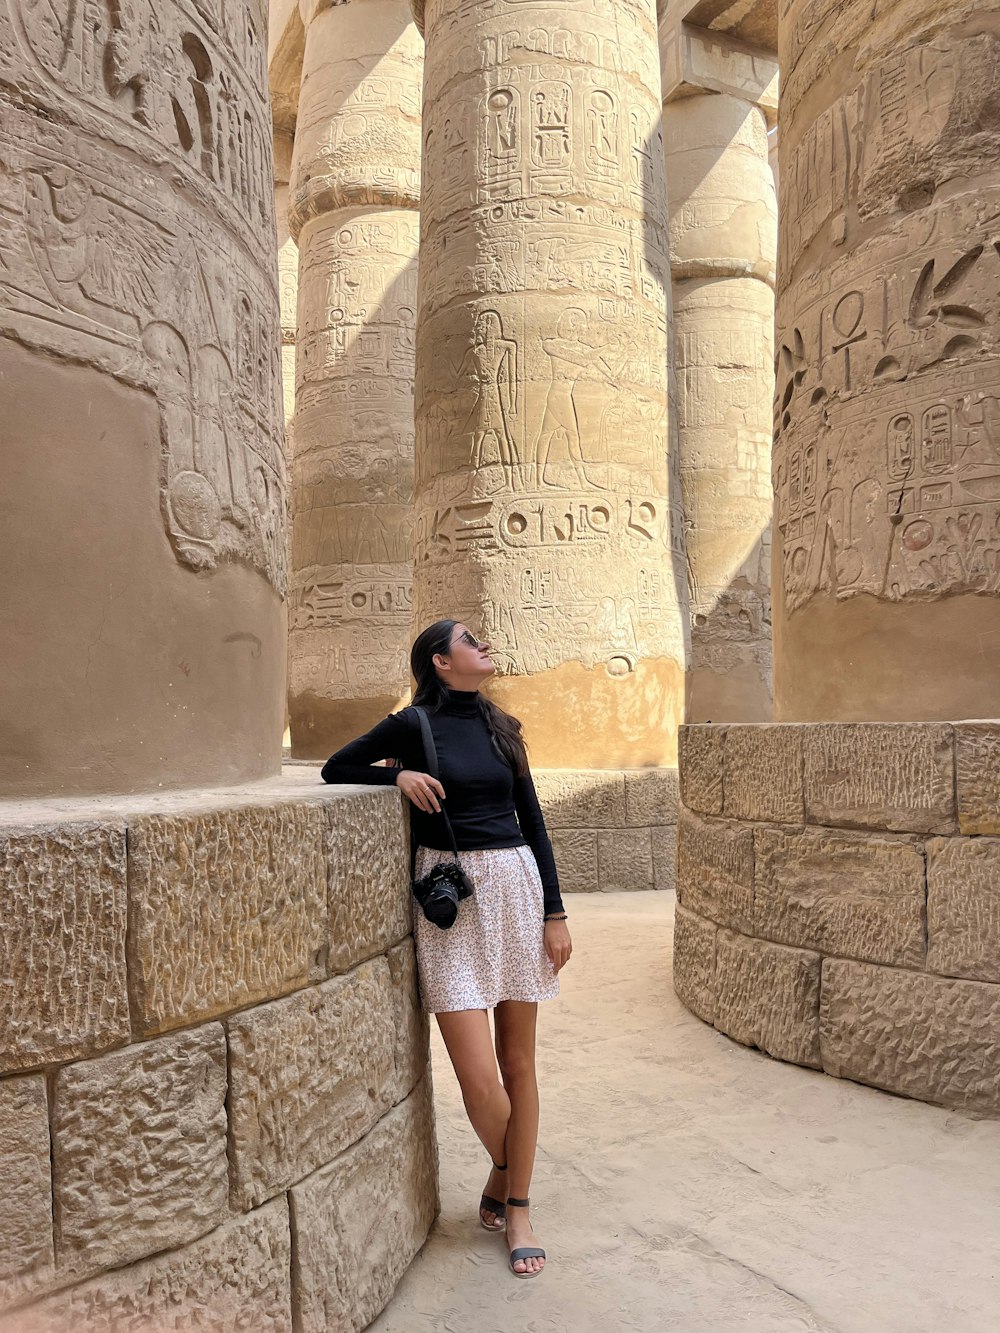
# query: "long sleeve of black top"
(488, 806)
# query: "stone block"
(139, 1150)
(694, 963)
(977, 776)
(575, 851)
(963, 907)
(854, 895)
(767, 995)
(581, 798)
(699, 760)
(368, 859)
(624, 860)
(26, 1254)
(695, 60)
(664, 845)
(412, 1035)
(236, 1277)
(762, 776)
(880, 775)
(62, 943)
(227, 907)
(652, 796)
(912, 1033)
(360, 1221)
(715, 870)
(308, 1075)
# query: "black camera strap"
(431, 759)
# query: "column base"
(171, 965)
(612, 830)
(837, 905)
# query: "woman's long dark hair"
(432, 693)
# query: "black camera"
(440, 891)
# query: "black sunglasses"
(469, 638)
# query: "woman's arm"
(390, 739)
(532, 822)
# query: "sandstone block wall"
(611, 830)
(838, 900)
(218, 1114)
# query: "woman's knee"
(517, 1068)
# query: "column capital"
(694, 60)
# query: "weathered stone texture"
(62, 944)
(911, 1033)
(767, 995)
(581, 798)
(139, 1150)
(715, 870)
(226, 907)
(963, 907)
(309, 1075)
(700, 766)
(360, 1221)
(411, 1048)
(694, 963)
(368, 862)
(575, 852)
(763, 773)
(977, 776)
(652, 796)
(881, 775)
(854, 895)
(235, 1278)
(26, 1254)
(664, 844)
(624, 859)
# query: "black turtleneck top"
(487, 805)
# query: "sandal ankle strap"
(518, 1203)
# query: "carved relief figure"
(571, 354)
(492, 363)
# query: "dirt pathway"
(684, 1182)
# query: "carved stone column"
(887, 432)
(542, 506)
(353, 210)
(723, 235)
(142, 631)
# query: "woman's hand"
(558, 944)
(421, 788)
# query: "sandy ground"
(685, 1182)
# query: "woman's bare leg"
(467, 1038)
(515, 1040)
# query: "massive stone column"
(353, 209)
(723, 235)
(887, 433)
(837, 873)
(542, 503)
(143, 509)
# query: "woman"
(510, 938)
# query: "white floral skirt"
(495, 950)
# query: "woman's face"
(467, 656)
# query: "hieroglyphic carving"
(542, 481)
(887, 477)
(113, 266)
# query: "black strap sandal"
(523, 1251)
(496, 1206)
